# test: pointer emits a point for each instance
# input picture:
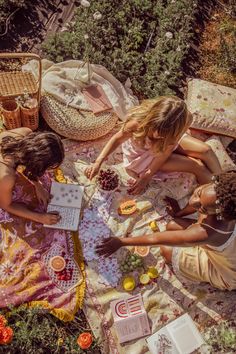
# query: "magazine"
(180, 336)
(130, 318)
(66, 200)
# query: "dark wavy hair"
(36, 151)
(225, 187)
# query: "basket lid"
(16, 83)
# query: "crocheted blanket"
(165, 298)
(65, 81)
(25, 251)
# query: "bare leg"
(196, 148)
(180, 163)
(176, 224)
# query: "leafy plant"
(227, 58)
(222, 338)
(145, 40)
(7, 9)
(36, 331)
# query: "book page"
(185, 334)
(132, 327)
(69, 217)
(67, 195)
(161, 343)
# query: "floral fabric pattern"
(23, 274)
(213, 107)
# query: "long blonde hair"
(166, 115)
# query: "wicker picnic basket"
(15, 84)
(76, 124)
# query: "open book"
(66, 200)
(178, 337)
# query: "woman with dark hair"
(36, 153)
(203, 251)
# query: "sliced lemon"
(129, 283)
(153, 225)
(144, 279)
(152, 272)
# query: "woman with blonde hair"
(154, 139)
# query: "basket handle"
(26, 55)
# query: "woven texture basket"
(30, 117)
(76, 124)
(14, 84)
(11, 114)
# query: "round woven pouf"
(76, 124)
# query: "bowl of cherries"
(108, 180)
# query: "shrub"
(227, 58)
(35, 331)
(7, 9)
(145, 40)
(221, 338)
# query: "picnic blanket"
(164, 299)
(25, 251)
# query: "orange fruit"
(57, 263)
(142, 250)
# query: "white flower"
(6, 270)
(84, 3)
(86, 36)
(178, 49)
(97, 15)
(166, 72)
(169, 35)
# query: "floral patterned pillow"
(225, 161)
(213, 107)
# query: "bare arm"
(117, 139)
(189, 237)
(187, 210)
(141, 183)
(157, 162)
(174, 210)
(19, 209)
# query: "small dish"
(108, 178)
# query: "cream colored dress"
(215, 265)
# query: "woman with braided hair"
(203, 251)
(37, 153)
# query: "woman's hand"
(42, 194)
(172, 207)
(109, 246)
(139, 185)
(50, 218)
(92, 170)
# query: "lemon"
(153, 225)
(152, 272)
(129, 283)
(144, 279)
